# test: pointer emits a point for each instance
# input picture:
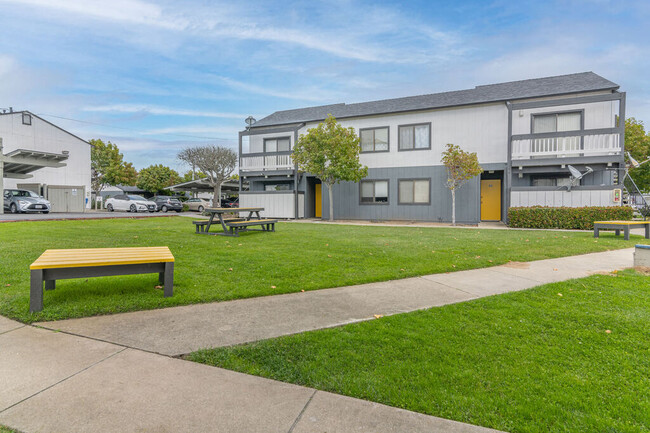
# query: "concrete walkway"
(180, 330)
(56, 381)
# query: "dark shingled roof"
(537, 87)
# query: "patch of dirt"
(643, 270)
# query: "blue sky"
(156, 76)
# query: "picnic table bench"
(55, 265)
(621, 225)
(233, 225)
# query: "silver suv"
(22, 200)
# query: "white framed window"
(27, 119)
(414, 137)
(550, 181)
(374, 139)
(280, 144)
(373, 191)
(557, 122)
(414, 191)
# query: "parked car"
(22, 200)
(198, 204)
(165, 203)
(226, 202)
(130, 203)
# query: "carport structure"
(20, 162)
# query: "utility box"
(642, 256)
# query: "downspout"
(295, 172)
(508, 174)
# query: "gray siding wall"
(347, 206)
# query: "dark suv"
(166, 203)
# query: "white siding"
(45, 137)
(575, 198)
(597, 115)
(275, 205)
(482, 129)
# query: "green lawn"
(540, 360)
(295, 257)
(4, 429)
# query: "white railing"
(266, 162)
(592, 145)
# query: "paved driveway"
(8, 217)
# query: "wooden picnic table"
(621, 225)
(232, 226)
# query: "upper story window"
(415, 137)
(374, 139)
(557, 122)
(280, 144)
(27, 119)
(374, 192)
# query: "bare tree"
(216, 162)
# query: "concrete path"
(180, 330)
(56, 382)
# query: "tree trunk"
(216, 198)
(329, 189)
(453, 207)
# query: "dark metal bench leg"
(626, 230)
(161, 278)
(50, 284)
(647, 231)
(168, 279)
(36, 291)
(618, 232)
(596, 232)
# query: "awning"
(20, 162)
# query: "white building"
(525, 133)
(59, 160)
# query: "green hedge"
(580, 218)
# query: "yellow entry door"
(491, 200)
(318, 209)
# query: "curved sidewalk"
(55, 381)
(180, 330)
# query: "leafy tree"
(637, 142)
(461, 167)
(108, 167)
(157, 178)
(193, 175)
(331, 153)
(216, 162)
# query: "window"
(27, 119)
(277, 144)
(415, 137)
(550, 181)
(374, 191)
(557, 122)
(374, 139)
(278, 187)
(413, 191)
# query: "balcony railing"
(266, 162)
(560, 147)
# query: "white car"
(198, 204)
(130, 203)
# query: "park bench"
(621, 225)
(236, 227)
(55, 265)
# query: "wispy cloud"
(161, 111)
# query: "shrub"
(186, 207)
(576, 218)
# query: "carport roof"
(23, 161)
(201, 185)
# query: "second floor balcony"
(583, 143)
(267, 162)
